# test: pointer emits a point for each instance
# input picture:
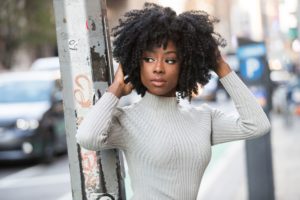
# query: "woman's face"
(160, 70)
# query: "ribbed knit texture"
(168, 147)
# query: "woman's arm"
(223, 68)
(101, 128)
(251, 122)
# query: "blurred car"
(31, 116)
(45, 64)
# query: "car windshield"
(25, 91)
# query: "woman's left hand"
(222, 66)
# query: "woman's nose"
(159, 67)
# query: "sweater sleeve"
(252, 122)
(101, 128)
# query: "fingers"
(119, 71)
(128, 89)
(126, 79)
(123, 81)
(219, 57)
(218, 53)
(120, 74)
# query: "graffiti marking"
(83, 91)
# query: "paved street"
(29, 181)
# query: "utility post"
(86, 69)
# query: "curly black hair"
(192, 32)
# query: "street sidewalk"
(228, 180)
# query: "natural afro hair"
(192, 32)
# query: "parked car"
(31, 116)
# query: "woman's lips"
(158, 82)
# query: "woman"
(167, 146)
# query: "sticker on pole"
(252, 68)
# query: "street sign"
(251, 68)
(251, 50)
(251, 58)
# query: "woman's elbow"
(82, 140)
(85, 140)
(92, 142)
(262, 128)
(265, 127)
(256, 128)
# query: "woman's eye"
(171, 61)
(148, 59)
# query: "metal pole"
(86, 69)
(258, 151)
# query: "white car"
(45, 64)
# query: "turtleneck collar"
(159, 102)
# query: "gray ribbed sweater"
(168, 146)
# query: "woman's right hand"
(222, 66)
(119, 88)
